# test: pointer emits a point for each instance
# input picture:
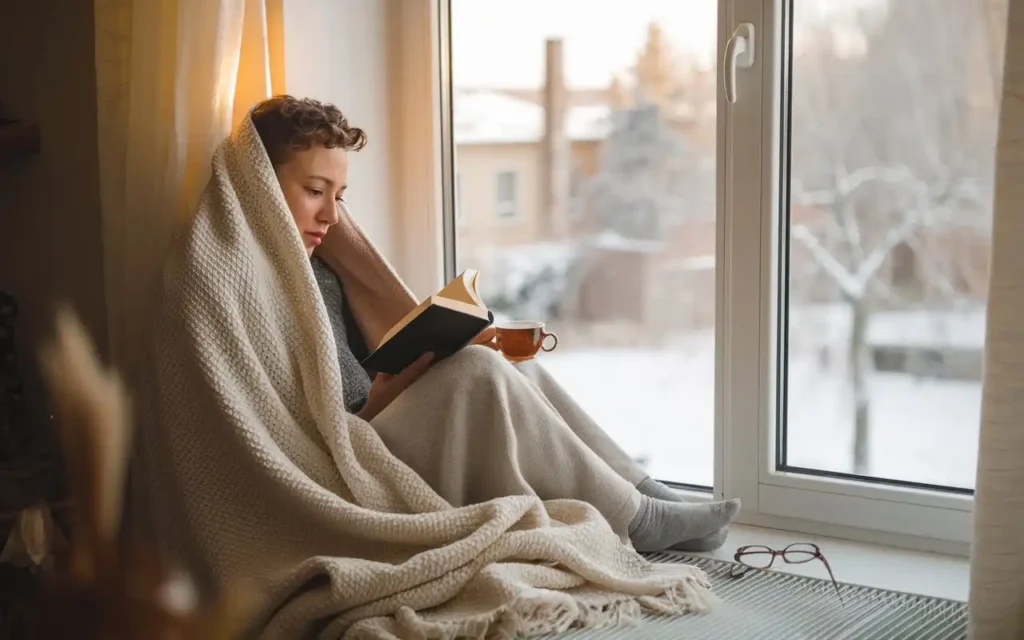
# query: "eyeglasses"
(762, 557)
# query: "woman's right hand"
(386, 387)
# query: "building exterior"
(501, 197)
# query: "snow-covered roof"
(491, 117)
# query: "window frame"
(749, 163)
(460, 213)
(750, 194)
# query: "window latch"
(739, 54)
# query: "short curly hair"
(287, 124)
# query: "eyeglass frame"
(749, 549)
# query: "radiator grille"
(772, 605)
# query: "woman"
(307, 142)
(463, 497)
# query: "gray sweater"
(354, 378)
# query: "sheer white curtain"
(997, 562)
(172, 78)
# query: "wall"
(50, 234)
(336, 50)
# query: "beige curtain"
(997, 562)
(173, 76)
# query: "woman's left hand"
(487, 338)
(386, 387)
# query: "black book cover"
(437, 329)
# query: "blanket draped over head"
(254, 472)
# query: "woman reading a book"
(495, 428)
(273, 296)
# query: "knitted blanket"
(254, 472)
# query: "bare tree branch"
(936, 275)
(869, 268)
(844, 279)
(854, 282)
(847, 183)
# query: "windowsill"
(869, 565)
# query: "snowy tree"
(645, 172)
(650, 176)
(892, 143)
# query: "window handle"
(739, 54)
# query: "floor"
(863, 564)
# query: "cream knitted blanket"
(254, 471)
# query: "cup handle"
(545, 335)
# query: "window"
(615, 202)
(877, 150)
(775, 290)
(888, 147)
(506, 194)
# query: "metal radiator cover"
(771, 605)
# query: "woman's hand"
(487, 338)
(386, 387)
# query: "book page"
(461, 307)
(463, 289)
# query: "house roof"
(485, 116)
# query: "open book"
(442, 324)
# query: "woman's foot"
(660, 524)
(654, 489)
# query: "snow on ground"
(830, 324)
(659, 405)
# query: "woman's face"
(313, 182)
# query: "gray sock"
(707, 543)
(659, 524)
(654, 489)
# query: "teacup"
(520, 340)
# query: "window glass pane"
(894, 107)
(608, 142)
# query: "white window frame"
(747, 271)
(460, 213)
(747, 195)
(507, 209)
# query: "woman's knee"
(472, 364)
(479, 361)
(533, 371)
(472, 368)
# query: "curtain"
(997, 558)
(173, 76)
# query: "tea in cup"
(520, 340)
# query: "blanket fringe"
(542, 612)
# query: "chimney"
(555, 152)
